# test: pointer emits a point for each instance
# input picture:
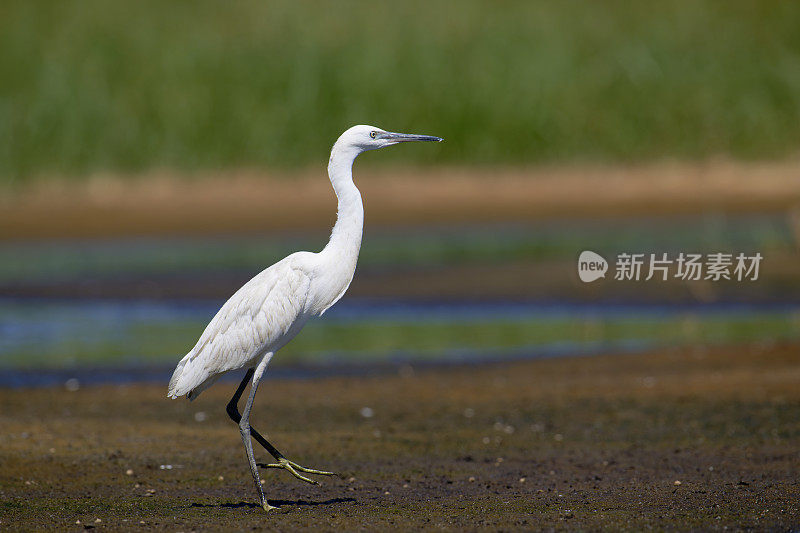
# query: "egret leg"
(244, 429)
(291, 466)
(233, 412)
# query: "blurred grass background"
(123, 87)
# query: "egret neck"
(345, 242)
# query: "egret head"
(370, 138)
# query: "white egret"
(270, 309)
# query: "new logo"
(591, 266)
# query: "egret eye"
(373, 134)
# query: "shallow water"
(50, 327)
(392, 248)
(46, 341)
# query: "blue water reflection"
(40, 339)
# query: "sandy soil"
(703, 439)
(161, 203)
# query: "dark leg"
(233, 412)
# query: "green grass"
(116, 86)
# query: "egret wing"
(259, 317)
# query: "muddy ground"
(703, 439)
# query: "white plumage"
(259, 318)
(270, 309)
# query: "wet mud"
(694, 439)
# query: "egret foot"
(294, 467)
(267, 506)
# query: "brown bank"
(694, 439)
(257, 202)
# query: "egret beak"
(406, 137)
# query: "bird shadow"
(306, 503)
(276, 503)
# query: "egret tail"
(187, 380)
